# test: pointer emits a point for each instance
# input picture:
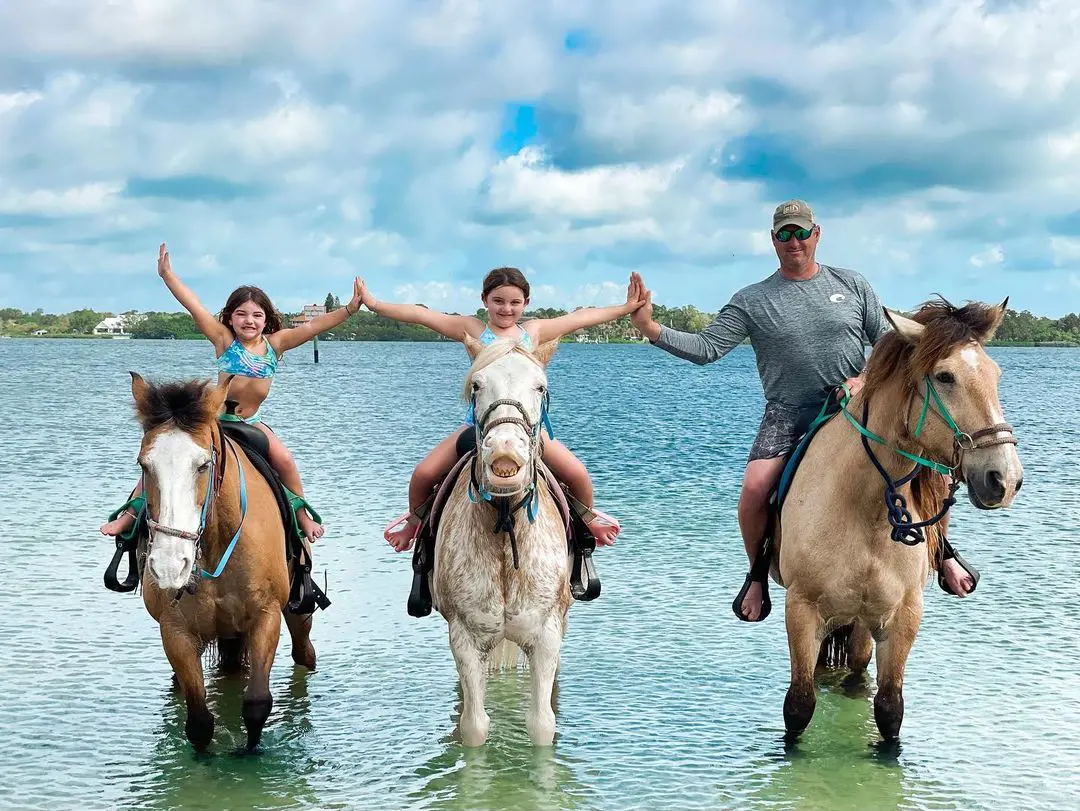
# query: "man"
(808, 324)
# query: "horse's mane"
(947, 327)
(491, 353)
(181, 402)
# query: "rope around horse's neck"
(904, 530)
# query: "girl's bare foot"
(311, 528)
(604, 528)
(118, 526)
(402, 539)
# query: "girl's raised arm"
(205, 322)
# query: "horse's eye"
(945, 378)
(205, 466)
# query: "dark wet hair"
(242, 295)
(501, 277)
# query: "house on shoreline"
(118, 325)
(310, 311)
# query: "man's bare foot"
(959, 581)
(118, 526)
(311, 528)
(402, 539)
(751, 604)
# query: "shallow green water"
(664, 700)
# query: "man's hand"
(643, 320)
(854, 385)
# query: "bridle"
(505, 509)
(215, 477)
(904, 530)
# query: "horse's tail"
(835, 650)
(506, 656)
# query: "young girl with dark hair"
(505, 294)
(249, 337)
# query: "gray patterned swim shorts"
(781, 428)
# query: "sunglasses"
(800, 234)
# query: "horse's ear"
(472, 346)
(911, 331)
(139, 387)
(218, 395)
(544, 352)
(999, 316)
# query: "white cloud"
(1066, 250)
(88, 199)
(993, 255)
(17, 101)
(439, 296)
(525, 182)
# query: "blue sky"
(419, 144)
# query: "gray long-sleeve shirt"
(807, 335)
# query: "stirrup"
(759, 573)
(948, 552)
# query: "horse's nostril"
(995, 481)
(1019, 483)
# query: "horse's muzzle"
(171, 571)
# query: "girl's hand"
(164, 267)
(357, 295)
(635, 293)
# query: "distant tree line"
(1018, 328)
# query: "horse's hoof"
(305, 657)
(199, 729)
(889, 714)
(798, 710)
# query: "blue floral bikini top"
(238, 360)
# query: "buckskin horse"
(860, 523)
(501, 568)
(216, 567)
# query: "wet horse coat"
(511, 583)
(836, 555)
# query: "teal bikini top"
(237, 360)
(489, 337)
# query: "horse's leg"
(299, 625)
(805, 630)
(544, 663)
(472, 671)
(183, 651)
(894, 643)
(262, 644)
(860, 649)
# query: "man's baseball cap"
(793, 212)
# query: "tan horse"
(210, 509)
(501, 568)
(931, 392)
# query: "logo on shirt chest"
(836, 298)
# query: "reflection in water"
(507, 771)
(274, 777)
(838, 762)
